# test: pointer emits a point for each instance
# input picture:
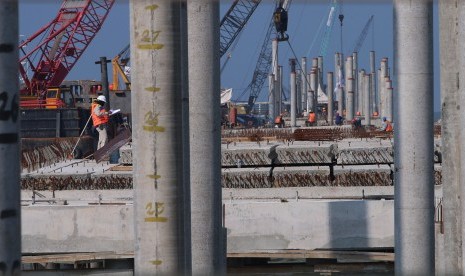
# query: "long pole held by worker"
(82, 132)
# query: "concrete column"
(361, 91)
(293, 87)
(461, 91)
(320, 72)
(313, 89)
(104, 78)
(298, 85)
(413, 136)
(388, 99)
(208, 250)
(275, 70)
(366, 84)
(304, 83)
(348, 75)
(330, 93)
(280, 89)
(382, 87)
(375, 96)
(10, 224)
(355, 76)
(161, 209)
(452, 144)
(271, 101)
(350, 100)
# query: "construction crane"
(120, 67)
(234, 20)
(329, 28)
(363, 34)
(231, 26)
(263, 65)
(57, 46)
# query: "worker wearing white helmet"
(100, 118)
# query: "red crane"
(57, 46)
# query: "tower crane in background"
(263, 65)
(363, 35)
(57, 46)
(234, 20)
(329, 27)
(231, 26)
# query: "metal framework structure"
(262, 68)
(57, 46)
(329, 28)
(119, 62)
(363, 35)
(234, 20)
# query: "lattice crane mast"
(262, 68)
(329, 27)
(57, 46)
(363, 34)
(234, 20)
(231, 25)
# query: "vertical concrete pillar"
(382, 87)
(375, 96)
(280, 87)
(355, 76)
(350, 99)
(461, 92)
(313, 89)
(414, 187)
(161, 205)
(361, 91)
(320, 73)
(293, 87)
(275, 70)
(208, 250)
(451, 124)
(388, 99)
(10, 223)
(271, 101)
(330, 93)
(348, 69)
(366, 83)
(304, 84)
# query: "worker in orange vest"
(311, 121)
(279, 121)
(387, 125)
(100, 118)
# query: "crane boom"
(263, 65)
(363, 35)
(57, 46)
(329, 28)
(234, 20)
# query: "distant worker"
(357, 123)
(339, 120)
(100, 118)
(387, 125)
(305, 113)
(311, 121)
(279, 121)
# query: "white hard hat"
(102, 98)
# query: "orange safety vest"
(98, 120)
(389, 126)
(278, 120)
(311, 117)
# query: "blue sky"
(304, 22)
